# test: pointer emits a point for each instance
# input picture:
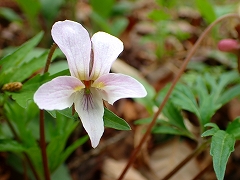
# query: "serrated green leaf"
(10, 145)
(30, 87)
(184, 97)
(200, 88)
(174, 115)
(19, 118)
(226, 79)
(113, 121)
(207, 109)
(234, 128)
(229, 94)
(221, 147)
(15, 59)
(27, 69)
(64, 128)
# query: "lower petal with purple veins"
(89, 107)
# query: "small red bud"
(228, 45)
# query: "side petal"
(90, 110)
(58, 93)
(74, 41)
(116, 86)
(106, 49)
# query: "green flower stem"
(24, 153)
(41, 122)
(181, 71)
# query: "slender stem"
(25, 176)
(49, 58)
(41, 122)
(197, 151)
(24, 154)
(43, 147)
(181, 71)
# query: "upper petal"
(106, 49)
(117, 86)
(74, 41)
(90, 110)
(58, 93)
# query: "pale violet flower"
(90, 83)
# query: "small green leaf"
(184, 97)
(206, 9)
(169, 130)
(113, 121)
(221, 147)
(159, 15)
(229, 94)
(174, 115)
(118, 26)
(210, 132)
(10, 145)
(9, 14)
(66, 112)
(61, 173)
(143, 121)
(207, 108)
(234, 128)
(103, 8)
(30, 8)
(72, 148)
(50, 9)
(64, 128)
(213, 125)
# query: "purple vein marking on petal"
(87, 102)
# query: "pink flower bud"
(228, 45)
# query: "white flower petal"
(74, 41)
(57, 93)
(106, 49)
(116, 86)
(90, 110)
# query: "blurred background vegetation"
(157, 35)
